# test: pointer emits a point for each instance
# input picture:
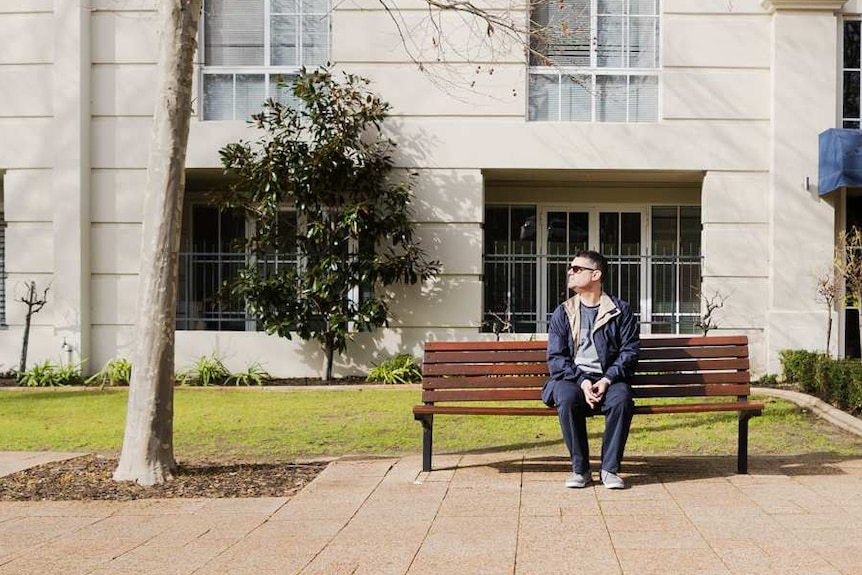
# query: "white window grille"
(254, 48)
(594, 61)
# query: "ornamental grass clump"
(209, 370)
(254, 374)
(48, 374)
(117, 371)
(400, 369)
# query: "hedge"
(837, 381)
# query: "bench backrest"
(677, 366)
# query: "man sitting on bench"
(593, 346)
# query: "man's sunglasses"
(579, 269)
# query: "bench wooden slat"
(751, 406)
(692, 341)
(692, 365)
(485, 369)
(535, 356)
(483, 345)
(667, 365)
(732, 351)
(480, 382)
(709, 390)
(690, 378)
(540, 355)
(483, 395)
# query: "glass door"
(620, 241)
(617, 234)
(566, 233)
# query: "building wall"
(744, 92)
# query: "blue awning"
(840, 160)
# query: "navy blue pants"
(618, 407)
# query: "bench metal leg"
(742, 457)
(427, 440)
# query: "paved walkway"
(476, 514)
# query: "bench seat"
(670, 369)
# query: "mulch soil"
(90, 478)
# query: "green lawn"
(270, 425)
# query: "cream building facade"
(691, 161)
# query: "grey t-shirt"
(586, 357)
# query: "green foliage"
(837, 381)
(400, 369)
(253, 375)
(798, 367)
(768, 380)
(117, 371)
(49, 374)
(209, 370)
(327, 159)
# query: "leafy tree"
(325, 157)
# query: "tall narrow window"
(510, 268)
(675, 270)
(215, 256)
(594, 61)
(254, 48)
(852, 68)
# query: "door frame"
(543, 308)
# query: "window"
(253, 49)
(594, 61)
(214, 255)
(675, 268)
(851, 110)
(654, 262)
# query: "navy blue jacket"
(616, 335)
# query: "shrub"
(854, 396)
(798, 366)
(117, 371)
(48, 374)
(400, 369)
(209, 370)
(837, 381)
(253, 375)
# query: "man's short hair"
(598, 260)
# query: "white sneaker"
(578, 480)
(612, 480)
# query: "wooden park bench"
(480, 378)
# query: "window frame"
(844, 120)
(266, 69)
(592, 72)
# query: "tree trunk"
(329, 352)
(148, 454)
(22, 364)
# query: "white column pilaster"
(802, 224)
(71, 182)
